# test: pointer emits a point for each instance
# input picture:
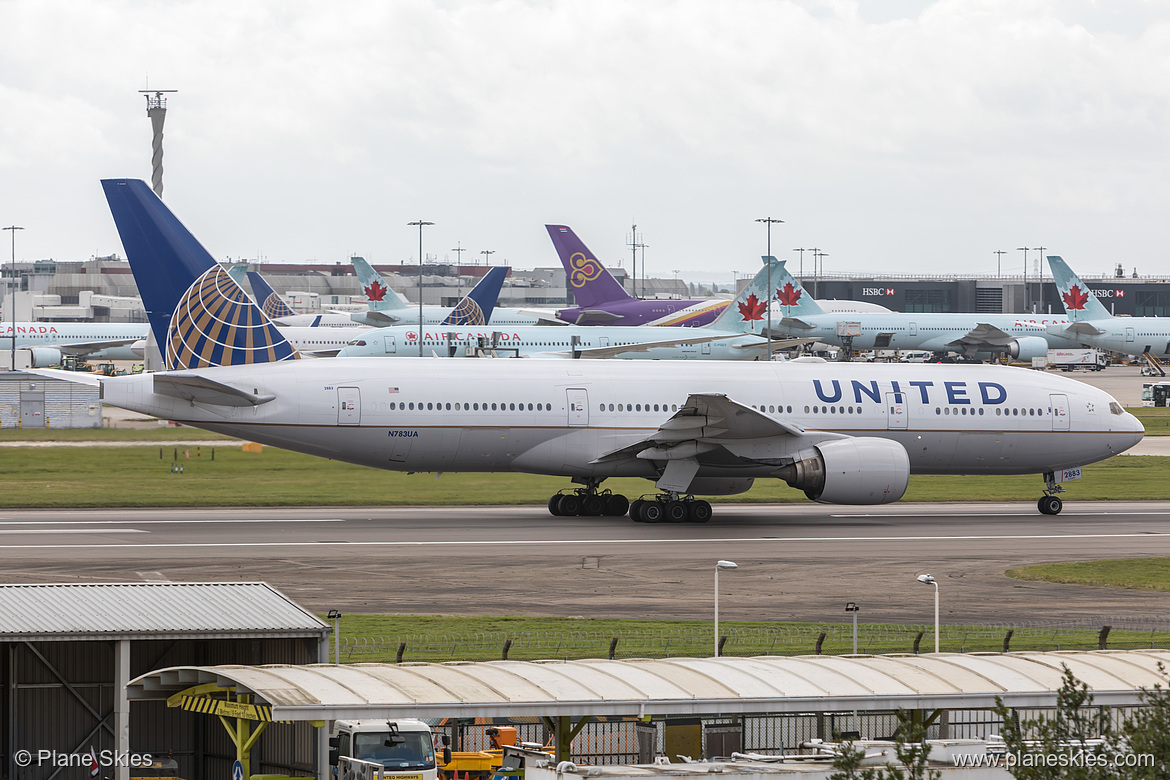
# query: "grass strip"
(1130, 573)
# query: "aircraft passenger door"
(349, 406)
(705, 348)
(578, 406)
(897, 412)
(391, 345)
(1129, 335)
(1060, 421)
(912, 328)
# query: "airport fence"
(828, 639)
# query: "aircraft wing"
(622, 349)
(984, 334)
(86, 347)
(195, 388)
(597, 316)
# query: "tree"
(911, 750)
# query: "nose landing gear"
(1050, 503)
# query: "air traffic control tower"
(156, 109)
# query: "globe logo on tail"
(275, 307)
(467, 312)
(583, 269)
(215, 324)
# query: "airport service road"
(798, 562)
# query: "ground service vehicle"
(1155, 393)
(405, 748)
(1084, 359)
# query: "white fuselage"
(1129, 335)
(83, 338)
(560, 417)
(937, 332)
(542, 340)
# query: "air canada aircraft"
(49, 342)
(1020, 336)
(842, 433)
(1091, 323)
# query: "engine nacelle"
(43, 357)
(851, 471)
(1028, 347)
(720, 486)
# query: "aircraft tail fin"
(379, 294)
(272, 304)
(477, 306)
(793, 299)
(199, 315)
(239, 275)
(1080, 303)
(591, 284)
(748, 313)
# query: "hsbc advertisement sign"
(1108, 293)
(877, 291)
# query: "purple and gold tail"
(591, 284)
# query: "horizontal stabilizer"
(198, 389)
(795, 322)
(76, 377)
(597, 317)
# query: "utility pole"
(12, 289)
(1040, 265)
(634, 247)
(1024, 249)
(421, 224)
(769, 221)
(459, 250)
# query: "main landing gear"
(1050, 503)
(588, 502)
(670, 508)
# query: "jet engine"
(1028, 347)
(851, 471)
(43, 357)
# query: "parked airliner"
(1092, 324)
(842, 433)
(732, 336)
(49, 342)
(1020, 336)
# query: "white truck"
(1083, 359)
(404, 748)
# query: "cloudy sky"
(897, 136)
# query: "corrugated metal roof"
(146, 610)
(671, 686)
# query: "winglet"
(477, 306)
(1080, 304)
(589, 281)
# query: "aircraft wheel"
(651, 512)
(1050, 505)
(636, 510)
(593, 505)
(700, 512)
(676, 511)
(554, 505)
(616, 505)
(569, 505)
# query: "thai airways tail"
(1080, 304)
(199, 315)
(591, 284)
(748, 313)
(271, 303)
(477, 306)
(794, 300)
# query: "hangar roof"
(151, 610)
(670, 686)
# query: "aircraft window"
(806, 410)
(771, 408)
(937, 410)
(832, 410)
(493, 407)
(430, 407)
(412, 406)
(656, 407)
(946, 410)
(674, 407)
(998, 411)
(1015, 412)
(511, 407)
(639, 407)
(621, 408)
(601, 407)
(980, 411)
(475, 407)
(824, 410)
(1115, 408)
(816, 410)
(611, 407)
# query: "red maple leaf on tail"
(752, 309)
(376, 291)
(788, 295)
(1075, 299)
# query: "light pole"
(818, 255)
(335, 616)
(999, 253)
(421, 224)
(1040, 264)
(852, 607)
(718, 566)
(926, 579)
(801, 250)
(768, 221)
(12, 294)
(487, 255)
(1024, 249)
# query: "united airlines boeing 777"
(842, 433)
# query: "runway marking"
(73, 531)
(562, 542)
(1006, 514)
(161, 522)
